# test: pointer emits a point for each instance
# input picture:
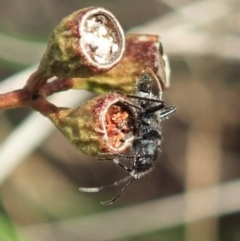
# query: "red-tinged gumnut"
(141, 51)
(101, 125)
(87, 42)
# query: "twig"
(14, 99)
(35, 129)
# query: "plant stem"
(43, 106)
(57, 85)
(15, 99)
(36, 80)
(24, 98)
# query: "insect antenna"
(97, 189)
(119, 195)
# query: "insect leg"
(145, 98)
(114, 158)
(121, 165)
(155, 108)
(167, 112)
(104, 156)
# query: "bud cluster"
(88, 50)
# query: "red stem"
(15, 99)
(43, 106)
(36, 80)
(56, 86)
(23, 98)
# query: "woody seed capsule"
(101, 125)
(87, 42)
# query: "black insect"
(149, 109)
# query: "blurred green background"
(193, 193)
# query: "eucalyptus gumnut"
(90, 41)
(103, 124)
(141, 51)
